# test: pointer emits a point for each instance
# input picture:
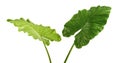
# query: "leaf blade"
(43, 33)
(70, 27)
(89, 25)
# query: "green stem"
(69, 53)
(47, 53)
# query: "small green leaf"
(43, 33)
(89, 22)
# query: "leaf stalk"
(47, 53)
(69, 53)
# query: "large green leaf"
(89, 22)
(43, 33)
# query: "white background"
(18, 47)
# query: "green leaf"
(88, 22)
(43, 33)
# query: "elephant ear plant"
(43, 33)
(88, 22)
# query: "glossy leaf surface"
(88, 22)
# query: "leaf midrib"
(36, 33)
